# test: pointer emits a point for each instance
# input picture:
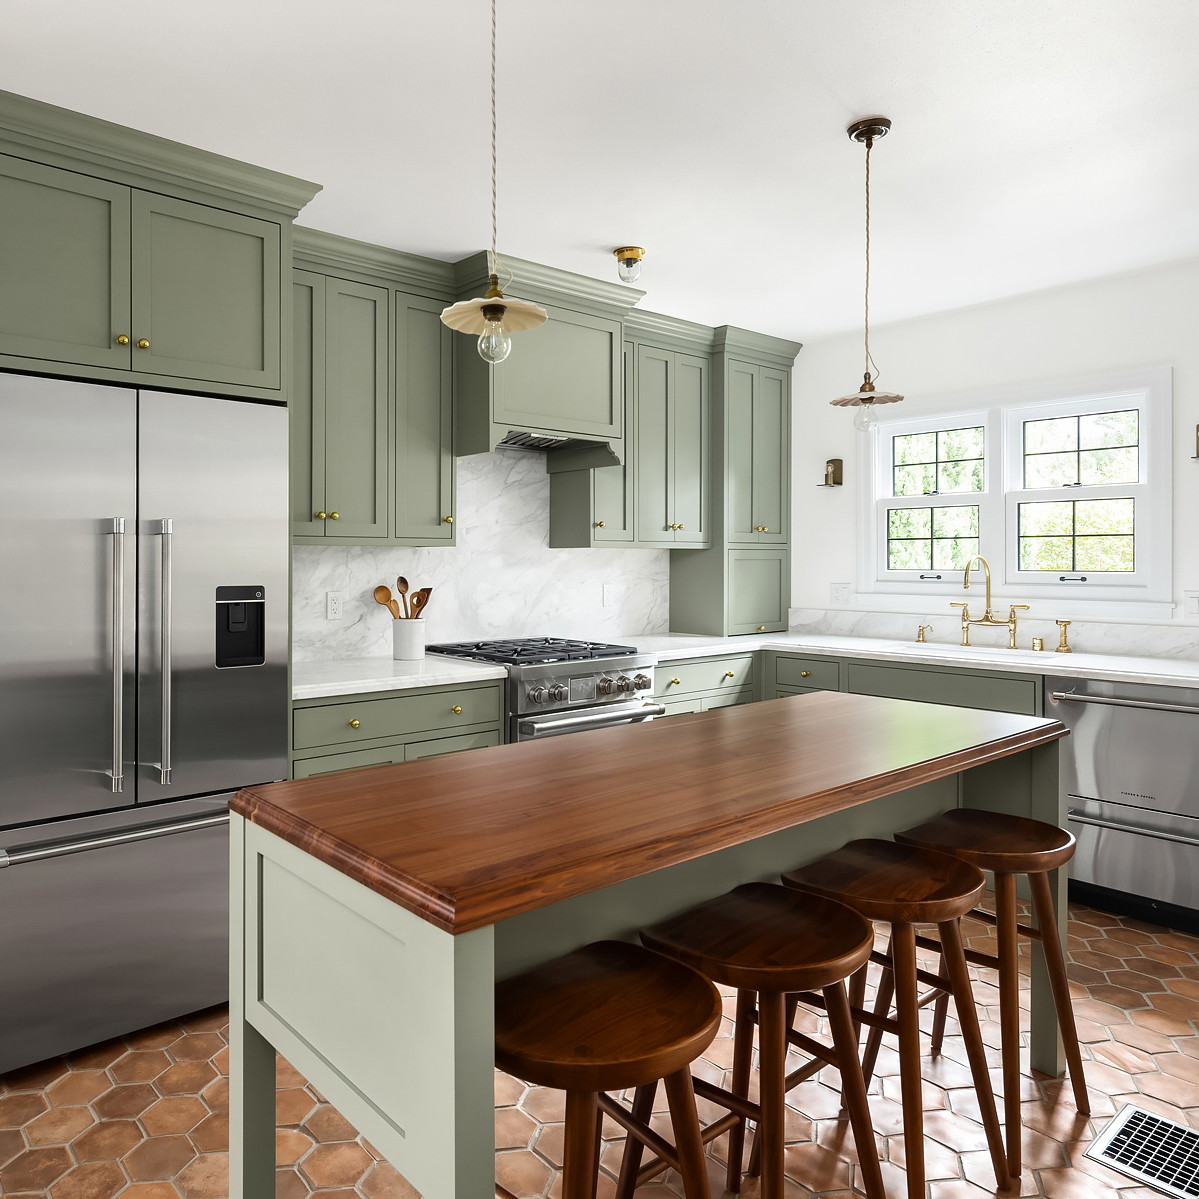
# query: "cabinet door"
(689, 449)
(652, 449)
(64, 246)
(306, 768)
(758, 591)
(741, 383)
(306, 405)
(457, 744)
(771, 455)
(206, 293)
(355, 409)
(423, 437)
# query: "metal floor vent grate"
(1155, 1151)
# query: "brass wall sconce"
(833, 473)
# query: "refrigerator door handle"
(59, 849)
(117, 533)
(164, 766)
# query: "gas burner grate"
(1152, 1150)
(532, 650)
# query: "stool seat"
(993, 840)
(608, 1016)
(893, 883)
(762, 937)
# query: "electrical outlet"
(609, 594)
(333, 605)
(1190, 603)
(839, 592)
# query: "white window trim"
(1000, 410)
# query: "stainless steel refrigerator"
(143, 680)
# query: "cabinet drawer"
(706, 674)
(783, 692)
(307, 768)
(963, 689)
(820, 674)
(681, 707)
(727, 700)
(415, 750)
(333, 724)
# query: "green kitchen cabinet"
(997, 691)
(670, 448)
(757, 463)
(702, 684)
(339, 408)
(130, 258)
(758, 590)
(372, 399)
(796, 673)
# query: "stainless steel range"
(556, 685)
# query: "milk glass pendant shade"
(494, 316)
(867, 397)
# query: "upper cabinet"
(120, 265)
(759, 449)
(371, 404)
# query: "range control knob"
(557, 691)
(642, 682)
(605, 686)
(538, 695)
(624, 683)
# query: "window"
(1065, 490)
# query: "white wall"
(500, 580)
(1150, 318)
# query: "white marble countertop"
(349, 676)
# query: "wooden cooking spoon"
(402, 588)
(383, 596)
(419, 601)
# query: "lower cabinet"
(795, 674)
(379, 728)
(701, 684)
(992, 690)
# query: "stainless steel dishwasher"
(1130, 771)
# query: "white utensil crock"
(408, 639)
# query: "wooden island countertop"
(468, 840)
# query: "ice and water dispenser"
(240, 626)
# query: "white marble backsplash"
(500, 580)
(1085, 636)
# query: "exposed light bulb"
(494, 344)
(863, 418)
(629, 270)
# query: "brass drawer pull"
(599, 524)
(457, 709)
(728, 674)
(321, 515)
(143, 343)
(123, 339)
(354, 724)
(761, 628)
(676, 682)
(803, 674)
(447, 520)
(335, 516)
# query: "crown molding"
(313, 249)
(546, 284)
(729, 339)
(656, 328)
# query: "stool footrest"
(744, 1109)
(657, 1145)
(1025, 930)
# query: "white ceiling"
(1035, 142)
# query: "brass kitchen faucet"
(988, 617)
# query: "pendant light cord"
(495, 267)
(869, 360)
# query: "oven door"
(581, 720)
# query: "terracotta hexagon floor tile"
(544, 1104)
(215, 1019)
(1124, 1057)
(177, 1113)
(11, 1143)
(290, 1146)
(1143, 1038)
(293, 1105)
(1177, 1065)
(160, 1036)
(151, 1190)
(958, 1189)
(196, 1047)
(95, 1180)
(289, 1185)
(339, 1163)
(211, 1135)
(508, 1090)
(1168, 1088)
(386, 1182)
(97, 1057)
(125, 1101)
(326, 1123)
(1182, 1006)
(107, 1141)
(58, 1125)
(207, 1177)
(216, 1095)
(139, 1065)
(514, 1129)
(286, 1075)
(35, 1169)
(159, 1158)
(185, 1078)
(522, 1174)
(1163, 1022)
(17, 1110)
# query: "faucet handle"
(1013, 607)
(958, 604)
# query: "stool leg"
(1055, 962)
(772, 1081)
(963, 1001)
(882, 1004)
(688, 1144)
(630, 1162)
(853, 1088)
(1009, 1013)
(940, 1011)
(743, 1052)
(581, 1155)
(903, 961)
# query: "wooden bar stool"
(608, 1016)
(769, 942)
(1008, 846)
(902, 886)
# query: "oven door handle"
(1117, 702)
(596, 720)
(1135, 830)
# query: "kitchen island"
(373, 909)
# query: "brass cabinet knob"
(335, 516)
(680, 526)
(123, 339)
(143, 343)
(457, 709)
(761, 628)
(447, 520)
(728, 674)
(599, 524)
(676, 682)
(321, 515)
(354, 724)
(803, 674)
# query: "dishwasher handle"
(58, 849)
(1116, 702)
(1135, 830)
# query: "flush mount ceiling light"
(494, 315)
(628, 259)
(865, 399)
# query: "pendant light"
(494, 315)
(867, 397)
